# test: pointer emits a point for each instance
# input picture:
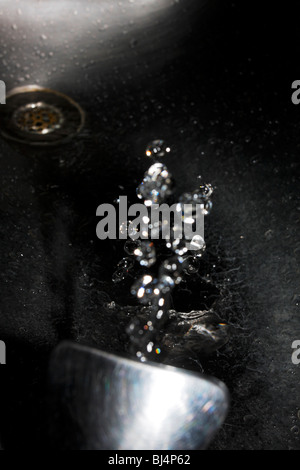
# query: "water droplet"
(152, 292)
(172, 270)
(126, 263)
(178, 245)
(143, 289)
(157, 148)
(129, 229)
(145, 253)
(207, 207)
(119, 275)
(156, 185)
(197, 245)
(123, 268)
(206, 190)
(191, 265)
(195, 198)
(155, 230)
(199, 196)
(131, 245)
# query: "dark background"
(222, 99)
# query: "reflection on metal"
(40, 116)
(111, 402)
(78, 45)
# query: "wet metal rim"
(40, 116)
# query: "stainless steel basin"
(74, 46)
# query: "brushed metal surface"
(71, 46)
(102, 401)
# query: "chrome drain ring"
(40, 116)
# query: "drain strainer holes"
(40, 116)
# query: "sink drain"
(40, 116)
